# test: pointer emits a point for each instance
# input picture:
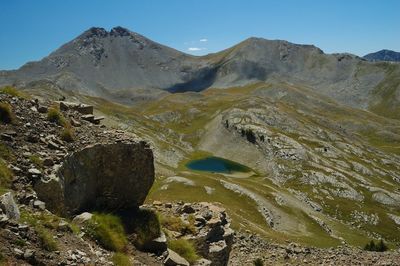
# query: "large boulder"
(103, 177)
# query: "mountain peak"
(120, 31)
(95, 32)
(383, 55)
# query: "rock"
(75, 122)
(219, 253)
(173, 259)
(203, 262)
(6, 137)
(29, 254)
(113, 176)
(18, 253)
(42, 109)
(48, 162)
(9, 207)
(39, 205)
(63, 226)
(34, 171)
(52, 145)
(187, 208)
(82, 218)
(157, 245)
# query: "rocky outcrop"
(212, 236)
(9, 207)
(111, 176)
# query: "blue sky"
(32, 29)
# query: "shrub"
(13, 92)
(176, 224)
(120, 259)
(37, 161)
(184, 248)
(67, 133)
(108, 230)
(54, 115)
(379, 247)
(46, 239)
(258, 262)
(5, 174)
(6, 114)
(146, 225)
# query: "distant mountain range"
(383, 55)
(121, 65)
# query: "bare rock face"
(104, 177)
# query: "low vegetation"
(146, 226)
(37, 161)
(6, 113)
(178, 225)
(121, 259)
(67, 133)
(108, 231)
(46, 239)
(185, 248)
(5, 174)
(54, 115)
(13, 92)
(379, 247)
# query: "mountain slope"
(383, 55)
(124, 66)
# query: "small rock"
(34, 171)
(18, 253)
(82, 218)
(29, 254)
(39, 204)
(174, 259)
(42, 109)
(9, 207)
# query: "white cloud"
(193, 49)
(204, 40)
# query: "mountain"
(383, 55)
(124, 66)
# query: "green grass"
(6, 113)
(175, 223)
(5, 174)
(146, 226)
(46, 239)
(185, 248)
(108, 230)
(13, 92)
(54, 115)
(67, 133)
(37, 161)
(121, 259)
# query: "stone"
(89, 118)
(42, 109)
(6, 137)
(9, 207)
(202, 262)
(52, 145)
(18, 253)
(114, 176)
(82, 218)
(187, 208)
(34, 171)
(173, 259)
(75, 122)
(29, 254)
(48, 162)
(219, 253)
(39, 205)
(157, 245)
(63, 226)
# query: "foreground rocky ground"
(248, 248)
(40, 220)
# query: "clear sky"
(32, 29)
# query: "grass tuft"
(146, 226)
(108, 230)
(379, 247)
(46, 239)
(5, 174)
(121, 259)
(184, 248)
(54, 115)
(67, 133)
(6, 113)
(176, 224)
(37, 161)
